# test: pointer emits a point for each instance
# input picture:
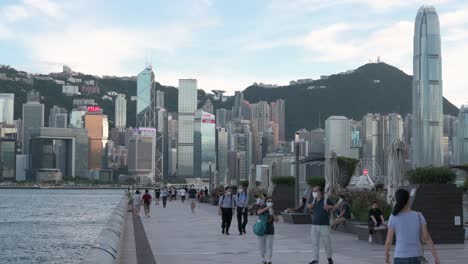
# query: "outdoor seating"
(378, 237)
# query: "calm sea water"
(52, 226)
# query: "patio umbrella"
(397, 152)
(331, 176)
(252, 179)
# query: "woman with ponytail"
(410, 229)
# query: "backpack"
(260, 227)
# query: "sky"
(226, 44)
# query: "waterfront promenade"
(176, 236)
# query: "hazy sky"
(226, 44)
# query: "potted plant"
(284, 192)
(434, 193)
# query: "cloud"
(13, 13)
(4, 32)
(46, 7)
(28, 8)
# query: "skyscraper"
(427, 90)
(338, 136)
(33, 117)
(98, 130)
(145, 93)
(204, 144)
(222, 151)
(58, 117)
(462, 135)
(278, 115)
(141, 158)
(187, 107)
(121, 111)
(7, 101)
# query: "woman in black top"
(157, 195)
(266, 241)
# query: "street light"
(296, 141)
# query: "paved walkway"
(177, 236)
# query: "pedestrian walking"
(136, 203)
(265, 241)
(242, 203)
(182, 194)
(129, 194)
(157, 195)
(192, 192)
(164, 194)
(174, 193)
(320, 229)
(226, 205)
(410, 229)
(147, 202)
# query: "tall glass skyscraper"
(187, 108)
(145, 86)
(462, 135)
(7, 101)
(427, 90)
(121, 111)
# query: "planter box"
(283, 196)
(442, 206)
(297, 219)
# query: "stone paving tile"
(177, 236)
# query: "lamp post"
(211, 184)
(296, 141)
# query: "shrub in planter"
(283, 180)
(316, 181)
(347, 167)
(244, 183)
(430, 175)
(361, 203)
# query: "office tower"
(160, 99)
(7, 159)
(58, 117)
(246, 110)
(221, 151)
(7, 102)
(462, 135)
(241, 143)
(172, 169)
(33, 117)
(236, 109)
(65, 149)
(221, 117)
(427, 90)
(261, 115)
(317, 143)
(145, 95)
(338, 136)
(396, 130)
(98, 129)
(208, 107)
(369, 137)
(76, 117)
(204, 144)
(141, 158)
(187, 107)
(382, 141)
(408, 134)
(172, 126)
(148, 132)
(120, 111)
(278, 115)
(162, 142)
(450, 133)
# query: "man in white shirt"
(182, 194)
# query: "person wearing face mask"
(226, 205)
(320, 229)
(266, 241)
(344, 212)
(242, 202)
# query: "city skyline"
(199, 37)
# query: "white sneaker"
(370, 238)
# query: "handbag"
(422, 258)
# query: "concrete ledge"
(105, 248)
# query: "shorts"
(136, 205)
(146, 206)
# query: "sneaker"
(240, 233)
(370, 238)
(314, 262)
(222, 232)
(227, 233)
(330, 261)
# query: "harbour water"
(52, 225)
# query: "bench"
(347, 227)
(296, 218)
(378, 237)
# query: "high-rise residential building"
(261, 115)
(278, 115)
(241, 143)
(222, 151)
(246, 110)
(427, 90)
(338, 136)
(462, 136)
(145, 94)
(187, 107)
(120, 111)
(33, 117)
(7, 103)
(204, 144)
(58, 117)
(98, 131)
(141, 158)
(236, 109)
(395, 127)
